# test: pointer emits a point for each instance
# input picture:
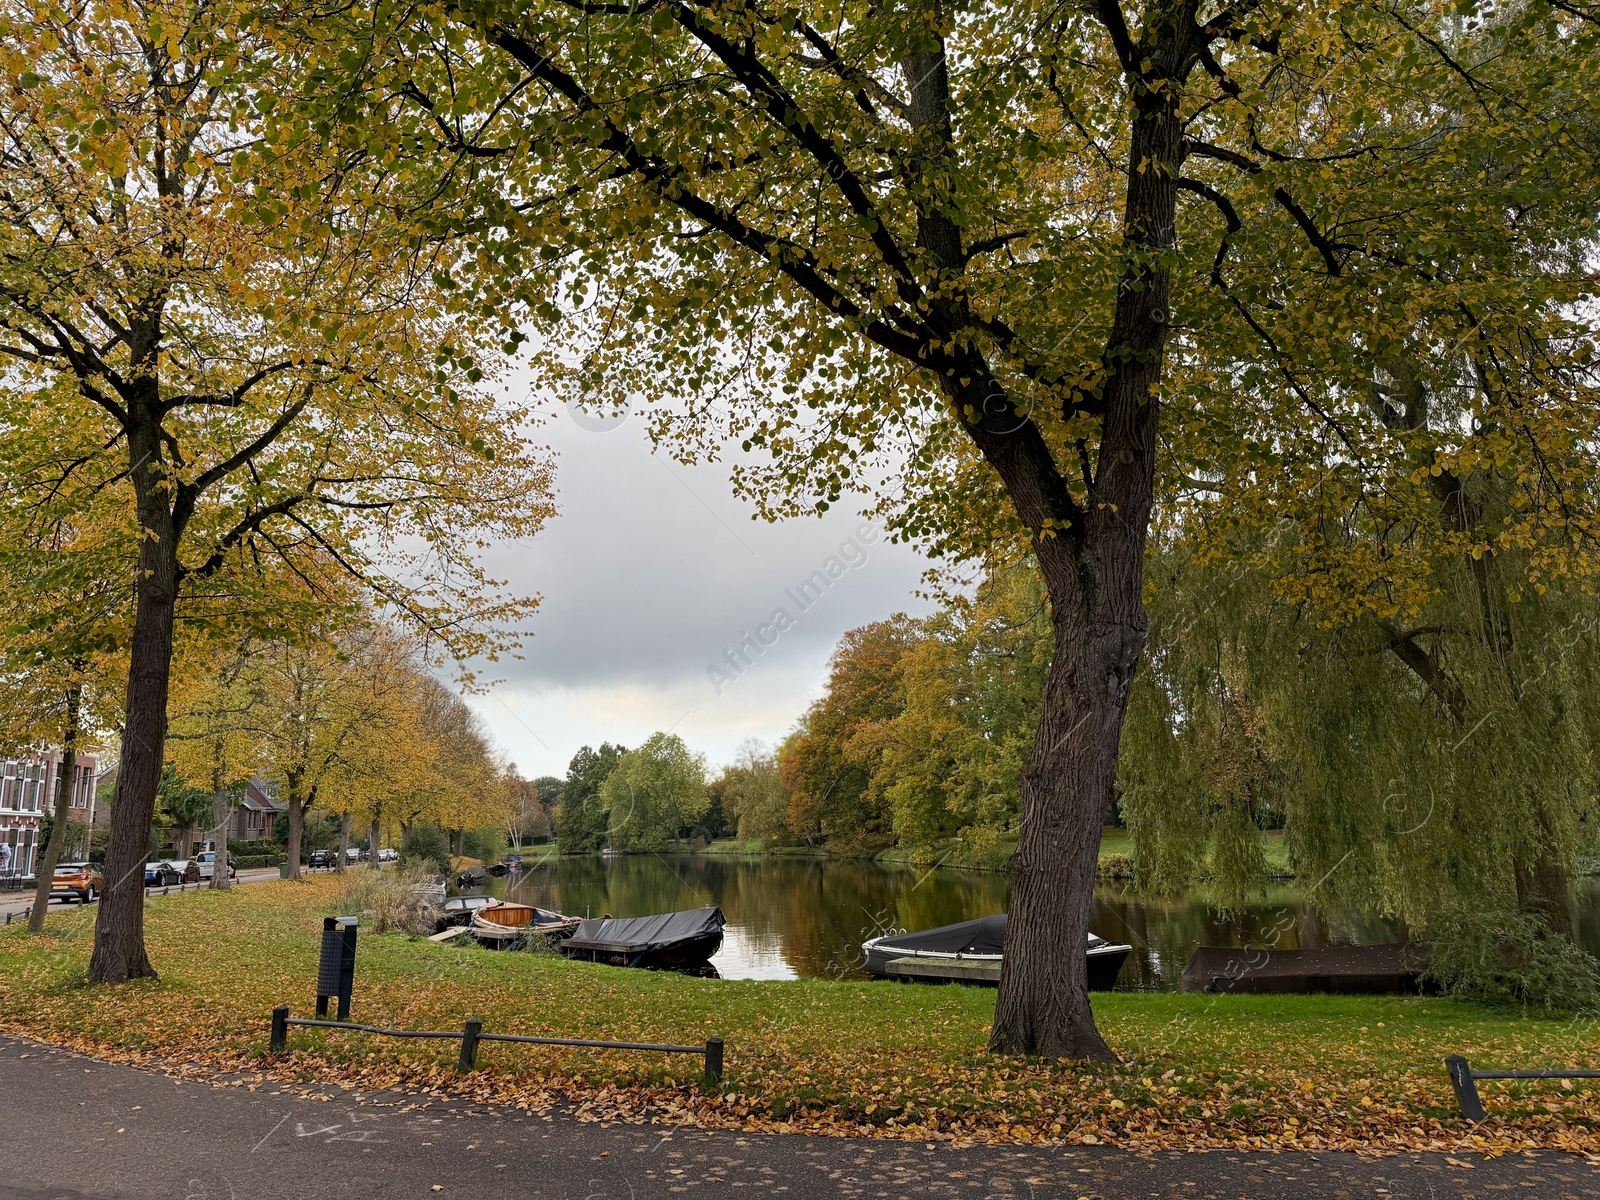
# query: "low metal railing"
(1464, 1079)
(472, 1034)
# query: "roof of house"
(261, 795)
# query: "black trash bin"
(336, 973)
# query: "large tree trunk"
(344, 841)
(1094, 572)
(119, 951)
(45, 869)
(372, 841)
(1544, 888)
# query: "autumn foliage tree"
(977, 251)
(235, 363)
(829, 786)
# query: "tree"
(231, 357)
(950, 236)
(319, 713)
(1428, 789)
(185, 807)
(581, 822)
(59, 652)
(753, 794)
(208, 742)
(827, 786)
(652, 793)
(45, 868)
(426, 846)
(440, 768)
(533, 803)
(947, 764)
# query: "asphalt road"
(15, 904)
(75, 1128)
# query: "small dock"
(957, 970)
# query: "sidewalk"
(80, 1129)
(15, 904)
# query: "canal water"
(805, 918)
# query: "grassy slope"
(874, 1058)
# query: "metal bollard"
(469, 1045)
(1465, 1086)
(337, 968)
(714, 1059)
(280, 1028)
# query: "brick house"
(27, 793)
(257, 811)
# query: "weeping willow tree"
(1389, 644)
(1441, 770)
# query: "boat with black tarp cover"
(1395, 967)
(665, 940)
(971, 952)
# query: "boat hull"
(689, 952)
(1104, 964)
(505, 924)
(972, 952)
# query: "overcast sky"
(651, 573)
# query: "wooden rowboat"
(506, 921)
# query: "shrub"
(1501, 956)
(1116, 866)
(247, 862)
(388, 901)
(488, 846)
(426, 845)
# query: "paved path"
(76, 1128)
(14, 904)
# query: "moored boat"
(672, 940)
(1341, 970)
(458, 910)
(505, 921)
(971, 952)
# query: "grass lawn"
(870, 1059)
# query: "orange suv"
(76, 880)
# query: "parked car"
(388, 854)
(321, 858)
(78, 880)
(208, 865)
(168, 871)
(353, 854)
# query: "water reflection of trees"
(816, 912)
(1164, 931)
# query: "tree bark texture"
(372, 841)
(119, 951)
(45, 869)
(344, 841)
(297, 825)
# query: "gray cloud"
(651, 572)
